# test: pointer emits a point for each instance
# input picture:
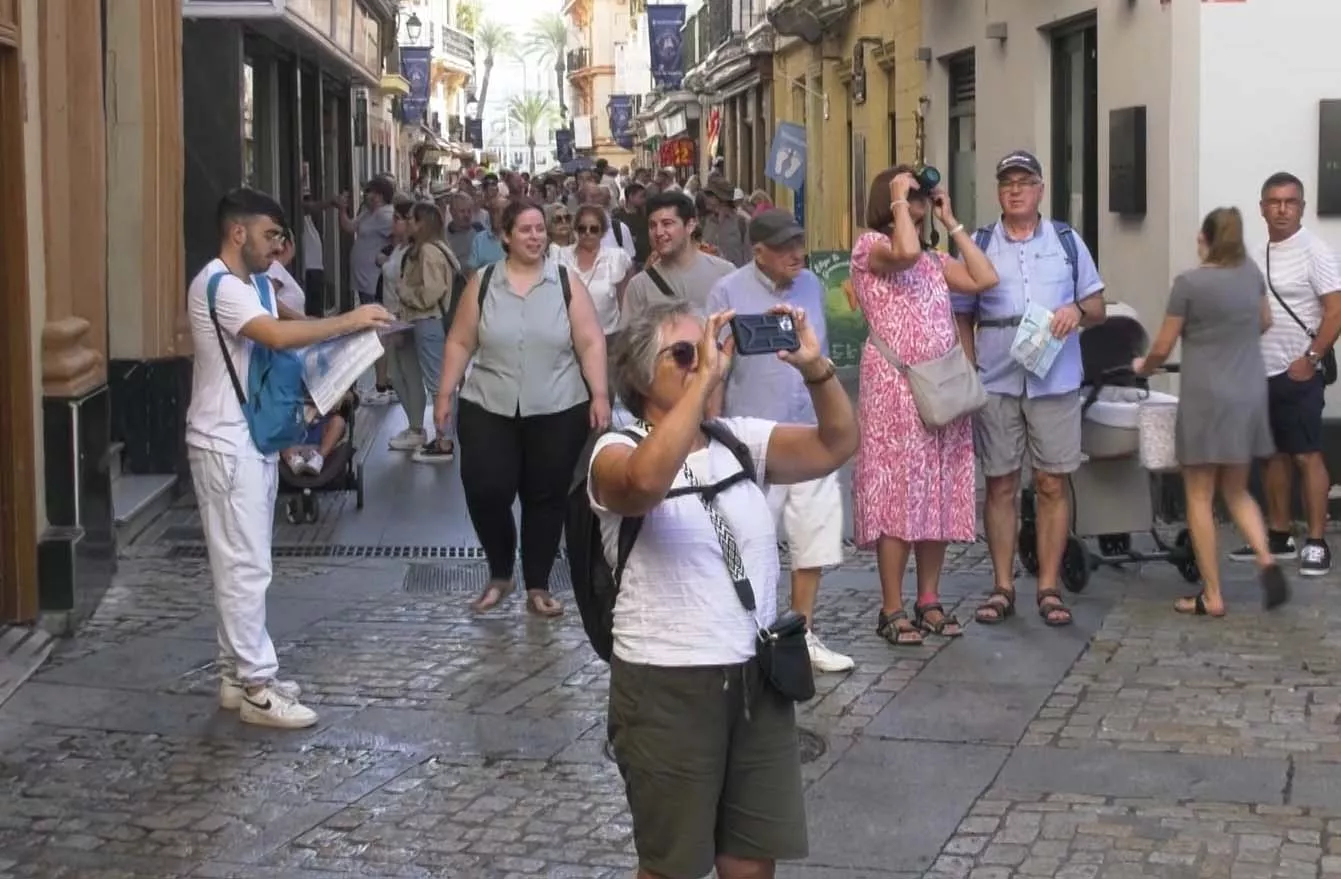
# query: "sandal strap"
(932, 607)
(1008, 594)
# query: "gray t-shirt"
(690, 282)
(372, 233)
(460, 242)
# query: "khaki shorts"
(1048, 427)
(701, 778)
(811, 515)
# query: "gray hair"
(635, 357)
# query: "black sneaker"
(1315, 559)
(435, 452)
(1280, 543)
(1275, 589)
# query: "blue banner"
(620, 110)
(414, 66)
(664, 23)
(787, 156)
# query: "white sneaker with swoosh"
(231, 692)
(269, 707)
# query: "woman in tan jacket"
(426, 300)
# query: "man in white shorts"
(811, 513)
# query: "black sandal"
(1049, 603)
(999, 607)
(1196, 608)
(887, 627)
(947, 626)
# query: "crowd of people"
(549, 313)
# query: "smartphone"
(764, 333)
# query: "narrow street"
(1135, 744)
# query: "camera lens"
(929, 178)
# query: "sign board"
(787, 156)
(846, 325)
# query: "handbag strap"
(886, 351)
(1312, 334)
(661, 282)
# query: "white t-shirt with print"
(214, 421)
(286, 288)
(677, 606)
(1303, 268)
(611, 266)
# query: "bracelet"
(829, 373)
(897, 202)
(955, 231)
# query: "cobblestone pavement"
(1137, 743)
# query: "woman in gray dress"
(1220, 310)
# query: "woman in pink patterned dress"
(912, 487)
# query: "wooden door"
(18, 481)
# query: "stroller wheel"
(292, 511)
(1027, 547)
(1075, 565)
(1184, 559)
(1115, 544)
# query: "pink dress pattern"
(908, 482)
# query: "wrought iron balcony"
(725, 19)
(578, 60)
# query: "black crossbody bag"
(1327, 363)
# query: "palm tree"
(548, 40)
(491, 39)
(468, 16)
(531, 111)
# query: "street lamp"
(413, 27)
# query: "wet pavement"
(1134, 744)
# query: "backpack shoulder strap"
(717, 430)
(452, 261)
(485, 280)
(983, 237)
(617, 227)
(1067, 236)
(567, 286)
(660, 281)
(211, 294)
(629, 527)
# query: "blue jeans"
(428, 341)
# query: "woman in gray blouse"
(535, 392)
(1220, 310)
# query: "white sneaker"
(270, 707)
(408, 440)
(297, 463)
(314, 463)
(825, 660)
(231, 692)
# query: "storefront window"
(248, 124)
(1075, 131)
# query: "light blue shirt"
(1034, 270)
(762, 386)
(487, 248)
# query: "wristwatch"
(829, 372)
(1312, 356)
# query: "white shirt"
(1303, 268)
(676, 605)
(602, 280)
(609, 239)
(214, 421)
(314, 259)
(286, 288)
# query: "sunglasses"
(683, 353)
(562, 218)
(588, 230)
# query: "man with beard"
(234, 481)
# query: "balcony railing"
(727, 18)
(577, 60)
(690, 55)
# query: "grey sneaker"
(1315, 559)
(1281, 544)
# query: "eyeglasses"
(588, 230)
(562, 218)
(683, 353)
(1017, 184)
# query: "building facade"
(851, 79)
(91, 280)
(598, 27)
(432, 146)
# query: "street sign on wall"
(787, 156)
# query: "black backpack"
(595, 582)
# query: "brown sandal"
(542, 604)
(906, 635)
(493, 595)
(946, 626)
(999, 607)
(1049, 603)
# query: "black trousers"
(534, 457)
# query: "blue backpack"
(274, 402)
(1065, 234)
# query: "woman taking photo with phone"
(912, 486)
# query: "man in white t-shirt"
(1304, 292)
(235, 483)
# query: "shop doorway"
(18, 526)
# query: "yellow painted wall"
(897, 25)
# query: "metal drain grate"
(341, 551)
(431, 579)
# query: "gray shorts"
(1048, 427)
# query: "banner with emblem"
(665, 21)
(414, 66)
(620, 111)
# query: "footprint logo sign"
(787, 156)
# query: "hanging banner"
(620, 111)
(787, 156)
(714, 131)
(676, 153)
(664, 23)
(414, 66)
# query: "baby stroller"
(340, 471)
(1112, 495)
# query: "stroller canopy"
(1112, 344)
